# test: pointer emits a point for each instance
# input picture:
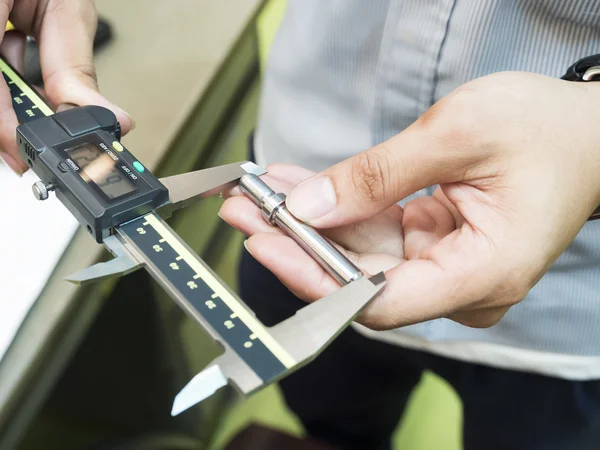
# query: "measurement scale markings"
(201, 297)
(27, 103)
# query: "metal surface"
(591, 73)
(276, 213)
(122, 264)
(188, 188)
(203, 385)
(40, 191)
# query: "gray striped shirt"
(344, 75)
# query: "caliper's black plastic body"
(78, 152)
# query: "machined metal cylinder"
(275, 212)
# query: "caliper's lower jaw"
(228, 368)
(304, 336)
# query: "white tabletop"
(33, 236)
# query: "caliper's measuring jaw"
(183, 190)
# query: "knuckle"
(375, 321)
(417, 216)
(458, 120)
(80, 12)
(6, 7)
(88, 71)
(53, 7)
(59, 83)
(85, 9)
(461, 122)
(370, 174)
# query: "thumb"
(375, 179)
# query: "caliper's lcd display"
(96, 166)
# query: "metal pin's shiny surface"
(275, 212)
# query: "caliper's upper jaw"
(123, 263)
(188, 188)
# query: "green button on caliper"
(138, 166)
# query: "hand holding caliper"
(77, 154)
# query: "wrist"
(587, 70)
(593, 89)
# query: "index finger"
(66, 35)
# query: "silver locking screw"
(40, 190)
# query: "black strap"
(577, 70)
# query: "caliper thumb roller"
(275, 212)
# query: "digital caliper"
(78, 155)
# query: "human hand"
(374, 244)
(517, 161)
(64, 30)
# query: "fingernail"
(13, 164)
(234, 192)
(65, 106)
(312, 199)
(246, 247)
